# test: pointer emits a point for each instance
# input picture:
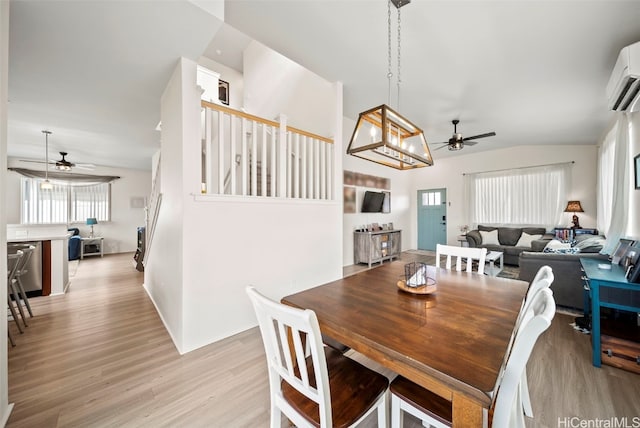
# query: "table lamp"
(90, 222)
(574, 207)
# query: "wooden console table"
(608, 288)
(374, 247)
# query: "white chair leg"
(383, 409)
(396, 412)
(524, 395)
(276, 417)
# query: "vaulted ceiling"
(534, 72)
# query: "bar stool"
(12, 265)
(27, 251)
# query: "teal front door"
(432, 218)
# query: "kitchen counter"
(55, 263)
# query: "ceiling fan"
(63, 164)
(457, 142)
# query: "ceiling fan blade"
(475, 137)
(87, 166)
(470, 143)
(37, 161)
(441, 147)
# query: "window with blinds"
(64, 203)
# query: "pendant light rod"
(46, 185)
(383, 135)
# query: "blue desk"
(602, 285)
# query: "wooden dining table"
(451, 342)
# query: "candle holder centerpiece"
(416, 279)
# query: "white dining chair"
(469, 254)
(543, 279)
(312, 384)
(435, 411)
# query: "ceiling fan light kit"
(383, 135)
(63, 164)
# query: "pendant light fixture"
(383, 135)
(46, 184)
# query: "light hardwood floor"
(99, 356)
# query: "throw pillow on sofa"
(526, 240)
(489, 238)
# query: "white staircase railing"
(152, 210)
(245, 155)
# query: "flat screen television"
(372, 202)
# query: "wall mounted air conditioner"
(623, 90)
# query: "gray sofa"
(508, 237)
(567, 284)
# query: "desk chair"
(468, 253)
(436, 411)
(316, 386)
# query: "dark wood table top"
(450, 342)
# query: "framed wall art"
(223, 92)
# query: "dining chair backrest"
(12, 264)
(468, 253)
(282, 326)
(544, 272)
(27, 251)
(543, 279)
(540, 313)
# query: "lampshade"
(573, 207)
(91, 221)
(402, 145)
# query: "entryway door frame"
(432, 218)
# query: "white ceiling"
(533, 72)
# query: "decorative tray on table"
(416, 279)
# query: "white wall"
(235, 79)
(401, 196)
(164, 259)
(5, 409)
(274, 85)
(447, 173)
(214, 7)
(634, 202)
(207, 248)
(119, 233)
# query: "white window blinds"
(64, 203)
(522, 196)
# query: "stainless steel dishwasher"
(32, 280)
